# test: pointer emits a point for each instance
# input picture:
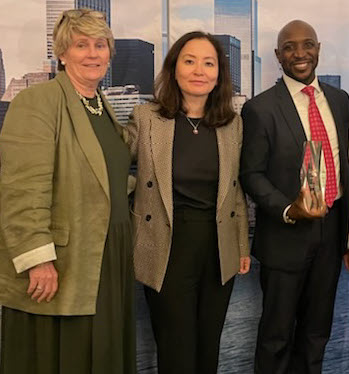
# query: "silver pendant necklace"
(195, 127)
(97, 111)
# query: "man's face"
(298, 51)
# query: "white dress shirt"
(301, 102)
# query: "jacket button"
(150, 184)
(148, 217)
(232, 214)
(234, 183)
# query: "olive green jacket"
(151, 143)
(53, 188)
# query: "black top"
(195, 165)
(117, 159)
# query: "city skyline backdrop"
(24, 47)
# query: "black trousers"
(188, 314)
(298, 306)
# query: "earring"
(63, 63)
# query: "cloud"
(136, 18)
(181, 26)
(190, 15)
(191, 9)
(202, 12)
(195, 3)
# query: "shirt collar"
(295, 87)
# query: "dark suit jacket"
(271, 159)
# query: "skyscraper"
(239, 18)
(123, 99)
(28, 80)
(101, 6)
(53, 9)
(257, 61)
(332, 80)
(257, 75)
(238, 103)
(232, 51)
(133, 64)
(2, 76)
(3, 109)
(164, 28)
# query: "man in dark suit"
(300, 249)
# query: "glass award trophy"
(310, 174)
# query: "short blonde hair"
(80, 21)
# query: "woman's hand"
(245, 263)
(43, 282)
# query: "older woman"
(189, 210)
(66, 279)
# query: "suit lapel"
(84, 133)
(336, 115)
(162, 135)
(341, 134)
(225, 144)
(290, 114)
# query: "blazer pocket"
(60, 235)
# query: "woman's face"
(197, 68)
(86, 60)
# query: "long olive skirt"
(99, 344)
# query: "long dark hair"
(218, 107)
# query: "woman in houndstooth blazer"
(191, 230)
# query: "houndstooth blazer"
(151, 143)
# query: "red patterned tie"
(318, 132)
